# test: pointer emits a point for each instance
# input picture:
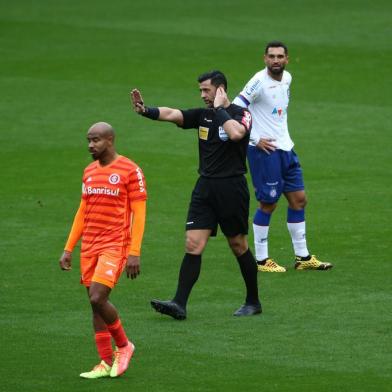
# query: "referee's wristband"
(221, 115)
(152, 113)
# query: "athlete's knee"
(268, 208)
(97, 299)
(238, 244)
(297, 200)
(303, 202)
(194, 245)
(299, 203)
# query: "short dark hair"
(276, 44)
(217, 78)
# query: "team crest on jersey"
(114, 179)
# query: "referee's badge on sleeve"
(223, 135)
(247, 120)
(203, 133)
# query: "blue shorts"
(275, 173)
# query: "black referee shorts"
(220, 201)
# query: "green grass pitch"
(65, 65)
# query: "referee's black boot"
(248, 310)
(170, 308)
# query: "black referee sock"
(248, 268)
(189, 273)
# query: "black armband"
(221, 115)
(152, 113)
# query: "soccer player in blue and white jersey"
(274, 166)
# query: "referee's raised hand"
(137, 101)
(220, 97)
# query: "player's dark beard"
(94, 155)
(276, 71)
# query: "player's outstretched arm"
(155, 113)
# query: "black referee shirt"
(219, 156)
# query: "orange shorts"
(105, 268)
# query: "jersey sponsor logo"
(203, 133)
(247, 120)
(278, 112)
(89, 190)
(140, 178)
(251, 89)
(114, 179)
(222, 134)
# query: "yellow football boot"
(270, 266)
(99, 371)
(311, 264)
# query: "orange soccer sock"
(103, 340)
(118, 334)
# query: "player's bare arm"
(172, 115)
(233, 128)
(161, 113)
(66, 261)
(133, 266)
(267, 145)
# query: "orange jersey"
(108, 192)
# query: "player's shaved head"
(102, 129)
(100, 137)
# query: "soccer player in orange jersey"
(110, 220)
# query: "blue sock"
(261, 218)
(295, 216)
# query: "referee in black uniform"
(221, 193)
